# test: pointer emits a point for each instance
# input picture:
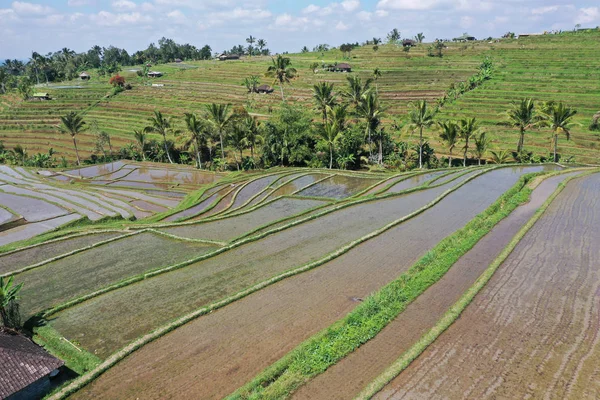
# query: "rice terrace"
(398, 217)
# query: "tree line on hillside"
(345, 130)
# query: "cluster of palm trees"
(554, 115)
(358, 101)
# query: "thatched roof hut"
(84, 76)
(408, 43)
(343, 67)
(223, 57)
(264, 89)
(155, 74)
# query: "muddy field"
(347, 378)
(533, 330)
(214, 355)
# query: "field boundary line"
(156, 334)
(456, 310)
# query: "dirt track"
(533, 331)
(213, 355)
(346, 379)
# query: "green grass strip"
(326, 348)
(456, 310)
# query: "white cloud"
(105, 18)
(407, 4)
(290, 23)
(364, 16)
(78, 3)
(350, 5)
(123, 5)
(311, 8)
(147, 6)
(24, 8)
(382, 13)
(178, 17)
(75, 16)
(588, 15)
(341, 26)
(544, 10)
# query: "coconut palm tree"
(449, 136)
(482, 143)
(281, 71)
(420, 37)
(261, 44)
(161, 125)
(220, 116)
(393, 36)
(522, 115)
(323, 97)
(559, 118)
(334, 128)
(9, 293)
(250, 40)
(237, 140)
(370, 110)
(253, 136)
(140, 138)
(500, 157)
(356, 89)
(72, 124)
(420, 118)
(376, 75)
(198, 130)
(467, 128)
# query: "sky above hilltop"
(286, 25)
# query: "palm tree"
(281, 71)
(253, 137)
(558, 117)
(140, 138)
(72, 124)
(333, 128)
(481, 146)
(467, 128)
(376, 75)
(356, 89)
(251, 82)
(393, 36)
(237, 140)
(420, 37)
(250, 40)
(420, 118)
(370, 110)
(261, 43)
(20, 153)
(198, 130)
(219, 114)
(500, 157)
(161, 125)
(449, 136)
(9, 294)
(376, 41)
(323, 97)
(522, 115)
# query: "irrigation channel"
(347, 378)
(532, 332)
(214, 355)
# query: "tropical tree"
(161, 125)
(356, 89)
(25, 88)
(449, 136)
(376, 75)
(72, 124)
(20, 154)
(253, 137)
(393, 36)
(419, 37)
(237, 140)
(251, 82)
(281, 71)
(500, 157)
(9, 294)
(198, 130)
(140, 138)
(420, 117)
(261, 44)
(250, 40)
(522, 115)
(559, 118)
(467, 128)
(370, 110)
(220, 117)
(333, 128)
(482, 143)
(323, 97)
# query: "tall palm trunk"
(167, 148)
(370, 142)
(380, 158)
(198, 159)
(330, 156)
(76, 150)
(221, 142)
(521, 141)
(450, 160)
(465, 153)
(421, 147)
(281, 88)
(555, 145)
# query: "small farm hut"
(84, 76)
(343, 67)
(178, 60)
(264, 89)
(223, 57)
(41, 96)
(408, 43)
(155, 74)
(27, 371)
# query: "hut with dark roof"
(343, 67)
(26, 370)
(264, 89)
(408, 43)
(155, 74)
(84, 76)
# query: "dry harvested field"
(533, 331)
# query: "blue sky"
(50, 25)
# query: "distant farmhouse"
(341, 67)
(408, 43)
(26, 370)
(41, 96)
(464, 38)
(223, 57)
(264, 89)
(524, 35)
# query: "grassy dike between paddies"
(109, 362)
(321, 351)
(455, 311)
